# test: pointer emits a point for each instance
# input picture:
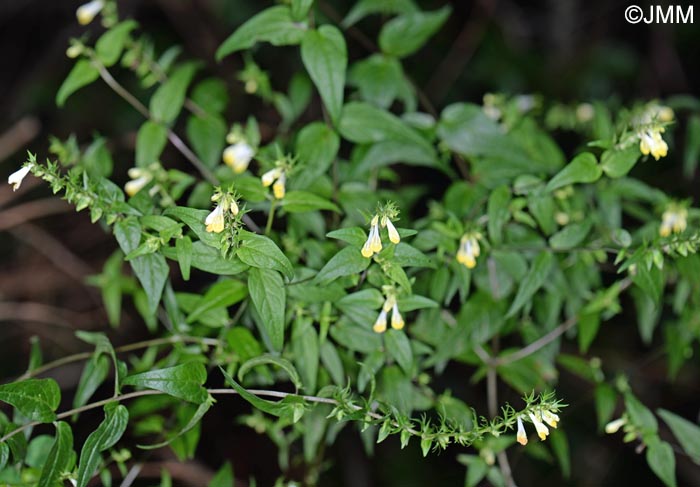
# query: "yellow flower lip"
(521, 436)
(215, 220)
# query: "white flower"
(542, 430)
(469, 250)
(550, 418)
(238, 156)
(674, 220)
(215, 220)
(18, 176)
(522, 435)
(393, 233)
(373, 244)
(615, 425)
(87, 12)
(234, 207)
(270, 176)
(397, 322)
(139, 179)
(278, 189)
(585, 112)
(380, 324)
(651, 142)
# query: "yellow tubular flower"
(674, 220)
(397, 322)
(238, 156)
(522, 435)
(139, 179)
(87, 12)
(215, 220)
(393, 233)
(278, 189)
(467, 253)
(550, 418)
(651, 142)
(614, 426)
(234, 207)
(18, 176)
(542, 430)
(373, 245)
(380, 324)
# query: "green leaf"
(274, 25)
(104, 437)
(560, 446)
(363, 123)
(183, 247)
(347, 262)
(261, 252)
(58, 460)
(268, 295)
(224, 477)
(534, 280)
(211, 95)
(399, 347)
(303, 201)
(582, 169)
(662, 462)
(640, 415)
(82, 74)
(209, 259)
(110, 45)
(305, 347)
(325, 57)
(605, 401)
(168, 99)
(270, 407)
(405, 34)
(194, 219)
(570, 236)
(36, 399)
(363, 8)
(332, 362)
(618, 162)
(193, 421)
(267, 359)
(380, 80)
(223, 294)
(94, 374)
(588, 325)
(150, 269)
(150, 142)
(498, 213)
(687, 433)
(352, 235)
(390, 152)
(183, 381)
(316, 146)
(207, 135)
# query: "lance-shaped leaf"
(59, 458)
(37, 399)
(261, 252)
(105, 436)
(194, 420)
(268, 294)
(325, 57)
(183, 381)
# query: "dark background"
(566, 50)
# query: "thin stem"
(270, 217)
(172, 136)
(125, 348)
(548, 338)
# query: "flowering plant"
(304, 271)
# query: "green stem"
(126, 348)
(270, 217)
